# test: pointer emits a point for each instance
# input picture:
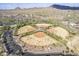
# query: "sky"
(32, 5)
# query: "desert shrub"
(7, 21)
(1, 30)
(28, 33)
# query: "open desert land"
(40, 31)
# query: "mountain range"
(64, 7)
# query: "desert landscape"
(47, 31)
